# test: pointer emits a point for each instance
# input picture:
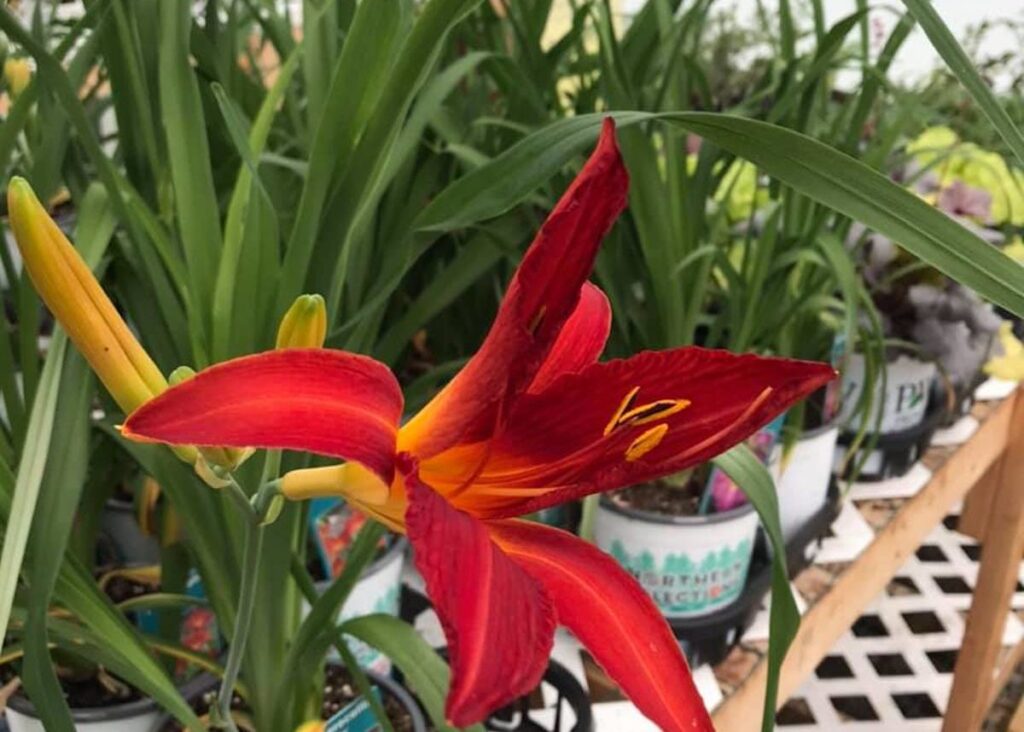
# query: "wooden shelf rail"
(992, 458)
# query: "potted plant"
(99, 702)
(341, 700)
(938, 335)
(691, 560)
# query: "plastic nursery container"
(959, 403)
(377, 591)
(890, 455)
(802, 476)
(708, 638)
(904, 404)
(205, 684)
(135, 716)
(572, 708)
(689, 565)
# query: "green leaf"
(358, 187)
(753, 479)
(189, 157)
(355, 85)
(425, 672)
(960, 64)
(123, 649)
(318, 629)
(30, 476)
(852, 188)
(248, 178)
(63, 480)
(812, 168)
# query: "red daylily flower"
(533, 420)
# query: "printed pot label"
(905, 401)
(834, 390)
(357, 716)
(687, 569)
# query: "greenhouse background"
(537, 365)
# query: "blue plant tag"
(355, 717)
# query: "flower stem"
(251, 552)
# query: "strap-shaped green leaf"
(960, 64)
(426, 672)
(753, 479)
(811, 167)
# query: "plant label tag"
(356, 716)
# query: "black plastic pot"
(205, 683)
(516, 716)
(563, 516)
(708, 638)
(962, 399)
(892, 455)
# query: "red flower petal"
(498, 621)
(582, 338)
(613, 617)
(541, 296)
(318, 400)
(576, 437)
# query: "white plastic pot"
(689, 565)
(377, 591)
(908, 385)
(802, 476)
(136, 716)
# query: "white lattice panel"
(893, 669)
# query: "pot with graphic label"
(690, 565)
(897, 427)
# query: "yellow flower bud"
(17, 75)
(311, 726)
(71, 292)
(305, 323)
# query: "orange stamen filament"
(653, 411)
(626, 404)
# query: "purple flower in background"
(960, 199)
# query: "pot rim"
(661, 518)
(205, 681)
(818, 431)
(126, 710)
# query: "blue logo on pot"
(682, 585)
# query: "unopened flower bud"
(17, 75)
(305, 323)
